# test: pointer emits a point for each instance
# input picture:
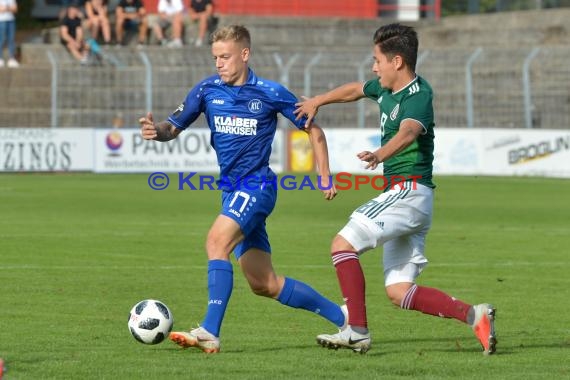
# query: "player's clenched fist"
(148, 129)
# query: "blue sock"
(301, 296)
(220, 284)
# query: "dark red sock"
(352, 286)
(435, 302)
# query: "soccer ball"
(150, 321)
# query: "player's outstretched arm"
(162, 131)
(319, 144)
(309, 107)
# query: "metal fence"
(450, 7)
(476, 87)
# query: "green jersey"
(412, 102)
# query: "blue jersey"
(242, 121)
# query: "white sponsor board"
(46, 149)
(124, 150)
(460, 151)
(345, 143)
(504, 152)
(544, 153)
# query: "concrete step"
(25, 76)
(101, 98)
(98, 118)
(33, 97)
(25, 117)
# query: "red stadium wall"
(313, 8)
(308, 8)
(318, 8)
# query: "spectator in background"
(8, 9)
(170, 14)
(71, 34)
(97, 19)
(131, 14)
(201, 11)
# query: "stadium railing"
(516, 87)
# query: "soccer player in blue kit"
(241, 110)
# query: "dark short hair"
(397, 39)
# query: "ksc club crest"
(255, 106)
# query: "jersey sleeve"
(372, 89)
(286, 105)
(419, 107)
(189, 110)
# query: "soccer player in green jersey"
(400, 217)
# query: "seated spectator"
(97, 19)
(201, 11)
(8, 9)
(131, 14)
(170, 13)
(71, 34)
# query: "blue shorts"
(249, 208)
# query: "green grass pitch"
(77, 251)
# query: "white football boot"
(346, 338)
(199, 338)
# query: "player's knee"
(340, 244)
(217, 247)
(396, 292)
(394, 296)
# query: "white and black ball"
(150, 321)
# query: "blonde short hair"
(235, 33)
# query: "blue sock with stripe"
(299, 295)
(220, 285)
